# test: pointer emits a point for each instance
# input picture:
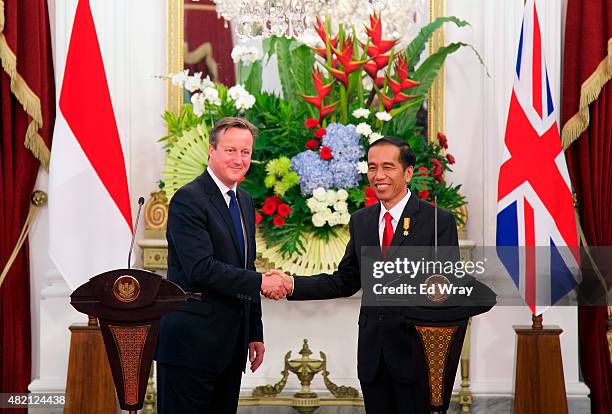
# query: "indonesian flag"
(90, 219)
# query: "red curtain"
(588, 30)
(28, 100)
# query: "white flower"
(207, 83)
(321, 207)
(383, 116)
(364, 129)
(345, 218)
(197, 100)
(334, 219)
(178, 79)
(327, 214)
(211, 95)
(361, 113)
(342, 195)
(362, 166)
(331, 197)
(193, 82)
(318, 220)
(237, 53)
(312, 204)
(319, 194)
(236, 91)
(374, 136)
(245, 54)
(367, 83)
(341, 207)
(245, 101)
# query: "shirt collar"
(222, 187)
(397, 210)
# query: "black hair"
(407, 155)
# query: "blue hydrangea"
(339, 172)
(314, 171)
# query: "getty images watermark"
(429, 276)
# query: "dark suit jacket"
(381, 331)
(203, 256)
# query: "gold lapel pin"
(406, 225)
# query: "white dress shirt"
(396, 212)
(224, 189)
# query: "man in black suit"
(390, 366)
(202, 348)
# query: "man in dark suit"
(202, 348)
(390, 367)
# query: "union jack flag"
(535, 205)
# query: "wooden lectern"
(128, 303)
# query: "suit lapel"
(218, 202)
(410, 217)
(248, 220)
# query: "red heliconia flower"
(311, 123)
(401, 69)
(321, 51)
(386, 45)
(320, 133)
(321, 88)
(381, 61)
(312, 144)
(340, 75)
(313, 100)
(284, 210)
(326, 110)
(423, 194)
(402, 97)
(278, 221)
(325, 153)
(371, 69)
(379, 82)
(320, 28)
(375, 29)
(258, 218)
(372, 51)
(386, 101)
(394, 85)
(345, 56)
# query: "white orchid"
(207, 83)
(362, 167)
(383, 116)
(178, 79)
(193, 82)
(374, 136)
(364, 129)
(245, 101)
(245, 54)
(211, 95)
(361, 113)
(197, 101)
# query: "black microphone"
(140, 203)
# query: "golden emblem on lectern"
(126, 289)
(435, 288)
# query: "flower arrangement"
(310, 153)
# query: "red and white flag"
(90, 220)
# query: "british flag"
(535, 205)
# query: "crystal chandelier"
(295, 18)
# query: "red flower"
(312, 144)
(442, 140)
(311, 123)
(437, 170)
(258, 218)
(424, 171)
(320, 28)
(369, 192)
(371, 69)
(401, 69)
(278, 221)
(321, 88)
(326, 110)
(268, 209)
(284, 210)
(276, 200)
(424, 193)
(340, 75)
(450, 158)
(371, 200)
(326, 153)
(345, 56)
(319, 133)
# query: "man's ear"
(408, 173)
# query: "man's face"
(231, 159)
(386, 174)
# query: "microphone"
(436, 226)
(140, 203)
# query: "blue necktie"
(235, 213)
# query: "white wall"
(132, 37)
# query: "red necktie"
(387, 233)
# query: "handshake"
(276, 284)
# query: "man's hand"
(273, 286)
(256, 354)
(287, 282)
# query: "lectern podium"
(129, 303)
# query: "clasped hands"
(276, 284)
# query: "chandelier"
(295, 18)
